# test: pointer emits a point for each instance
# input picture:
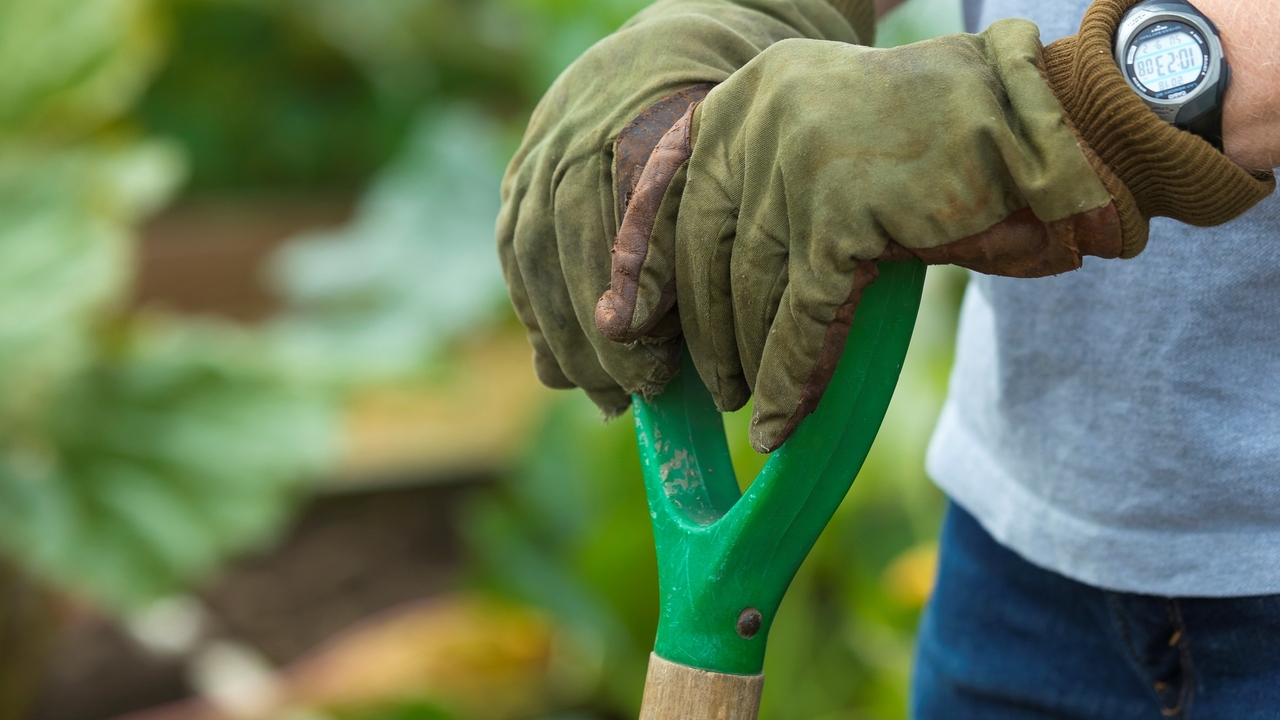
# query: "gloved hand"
(565, 190)
(765, 210)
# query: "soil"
(346, 556)
(210, 255)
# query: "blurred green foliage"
(259, 99)
(173, 448)
(137, 451)
(318, 94)
(134, 454)
(916, 20)
(73, 66)
(422, 95)
(570, 532)
(414, 267)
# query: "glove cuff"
(1167, 172)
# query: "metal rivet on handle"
(749, 621)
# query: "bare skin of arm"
(1251, 117)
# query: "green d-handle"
(725, 559)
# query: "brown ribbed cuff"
(1165, 172)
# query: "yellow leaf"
(909, 578)
(477, 657)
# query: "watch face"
(1167, 60)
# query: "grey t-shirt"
(1120, 424)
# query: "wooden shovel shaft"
(678, 692)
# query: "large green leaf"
(416, 266)
(72, 65)
(66, 252)
(152, 465)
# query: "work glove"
(567, 186)
(765, 209)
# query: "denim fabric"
(1003, 639)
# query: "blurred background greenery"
(270, 445)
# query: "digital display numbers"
(1168, 58)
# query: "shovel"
(725, 559)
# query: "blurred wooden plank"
(475, 420)
(206, 255)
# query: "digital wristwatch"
(1171, 55)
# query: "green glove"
(563, 197)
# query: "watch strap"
(1208, 124)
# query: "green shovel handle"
(725, 559)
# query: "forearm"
(1251, 116)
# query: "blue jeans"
(1003, 639)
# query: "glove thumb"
(641, 297)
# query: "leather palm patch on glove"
(648, 154)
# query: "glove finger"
(805, 342)
(545, 365)
(530, 252)
(705, 234)
(584, 221)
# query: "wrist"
(1253, 102)
(1165, 171)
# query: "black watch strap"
(1208, 124)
